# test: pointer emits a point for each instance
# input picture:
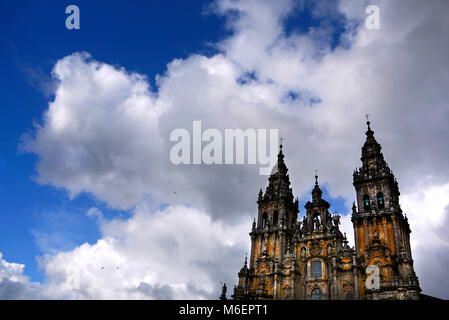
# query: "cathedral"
(310, 259)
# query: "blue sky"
(141, 36)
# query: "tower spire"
(316, 192)
(371, 148)
(369, 132)
(367, 115)
(280, 144)
(378, 200)
(280, 168)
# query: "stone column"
(408, 245)
(406, 240)
(265, 242)
(375, 230)
(385, 227)
(281, 245)
(396, 235)
(275, 287)
(251, 259)
(366, 232)
(356, 278)
(292, 294)
(335, 285)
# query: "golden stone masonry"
(310, 258)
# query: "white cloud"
(427, 209)
(107, 133)
(14, 284)
(176, 253)
(100, 119)
(94, 212)
(171, 254)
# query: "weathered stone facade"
(310, 258)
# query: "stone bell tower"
(271, 237)
(324, 257)
(381, 231)
(311, 259)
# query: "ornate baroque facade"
(310, 258)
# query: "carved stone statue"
(223, 292)
(336, 220)
(317, 223)
(305, 226)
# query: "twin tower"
(310, 258)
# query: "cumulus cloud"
(100, 120)
(176, 253)
(427, 209)
(14, 284)
(107, 132)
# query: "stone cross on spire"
(280, 143)
(367, 116)
(367, 120)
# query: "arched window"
(275, 217)
(317, 294)
(366, 203)
(264, 219)
(380, 200)
(316, 269)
